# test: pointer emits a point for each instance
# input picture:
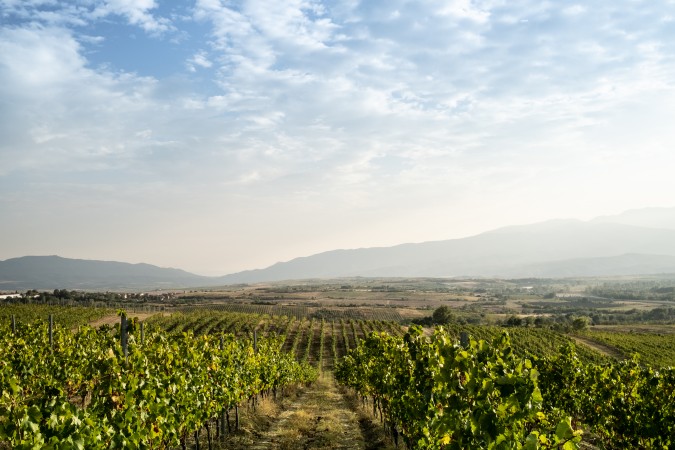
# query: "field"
(644, 305)
(654, 348)
(563, 327)
(68, 317)
(319, 342)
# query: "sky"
(217, 136)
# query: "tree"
(540, 321)
(443, 315)
(581, 323)
(514, 321)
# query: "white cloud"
(333, 114)
(137, 12)
(39, 59)
(289, 22)
(66, 13)
(574, 10)
(199, 60)
(65, 109)
(464, 9)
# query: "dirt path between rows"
(112, 319)
(599, 347)
(321, 418)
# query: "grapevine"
(82, 392)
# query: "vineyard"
(302, 311)
(434, 393)
(65, 316)
(179, 380)
(132, 389)
(655, 349)
(314, 340)
(318, 342)
(528, 342)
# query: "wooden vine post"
(464, 339)
(124, 337)
(51, 330)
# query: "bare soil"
(599, 347)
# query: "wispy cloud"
(137, 12)
(345, 109)
(60, 112)
(199, 60)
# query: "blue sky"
(218, 136)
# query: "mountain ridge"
(486, 254)
(554, 248)
(51, 272)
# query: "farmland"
(322, 326)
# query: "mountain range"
(637, 242)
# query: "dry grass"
(267, 407)
(322, 417)
(375, 436)
(255, 422)
(322, 421)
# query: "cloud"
(57, 13)
(445, 85)
(62, 112)
(340, 111)
(137, 12)
(465, 9)
(407, 84)
(199, 60)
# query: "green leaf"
(531, 442)
(564, 429)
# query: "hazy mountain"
(633, 243)
(560, 247)
(631, 264)
(646, 217)
(52, 272)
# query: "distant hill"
(637, 242)
(559, 248)
(52, 272)
(630, 264)
(646, 217)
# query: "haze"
(221, 136)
